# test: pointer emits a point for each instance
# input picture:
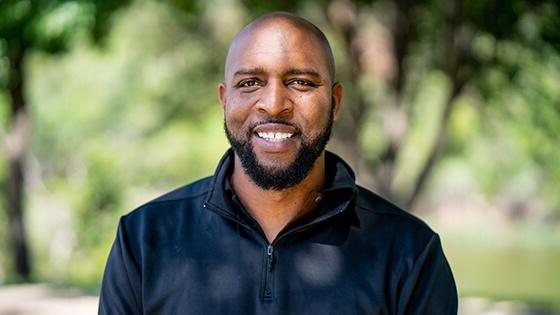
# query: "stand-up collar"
(339, 188)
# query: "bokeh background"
(452, 111)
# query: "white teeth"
(275, 136)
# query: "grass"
(523, 265)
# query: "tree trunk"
(397, 116)
(343, 16)
(452, 68)
(16, 147)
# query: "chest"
(242, 274)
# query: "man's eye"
(248, 83)
(301, 82)
(301, 85)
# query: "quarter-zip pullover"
(196, 250)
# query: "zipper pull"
(269, 253)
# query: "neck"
(275, 209)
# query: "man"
(281, 227)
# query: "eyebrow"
(290, 71)
(251, 71)
(303, 71)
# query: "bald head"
(283, 22)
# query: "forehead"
(276, 46)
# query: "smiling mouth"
(274, 136)
(275, 132)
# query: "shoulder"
(187, 197)
(193, 190)
(390, 219)
(371, 202)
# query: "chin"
(274, 162)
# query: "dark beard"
(275, 178)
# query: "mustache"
(255, 124)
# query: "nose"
(275, 100)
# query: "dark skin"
(278, 68)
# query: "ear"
(337, 98)
(222, 95)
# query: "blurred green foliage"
(116, 125)
(119, 121)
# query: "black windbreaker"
(197, 251)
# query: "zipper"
(267, 290)
(267, 293)
(268, 287)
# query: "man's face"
(279, 103)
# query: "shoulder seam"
(403, 215)
(158, 202)
(154, 202)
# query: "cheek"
(237, 109)
(315, 112)
(238, 118)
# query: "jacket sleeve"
(122, 281)
(430, 287)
